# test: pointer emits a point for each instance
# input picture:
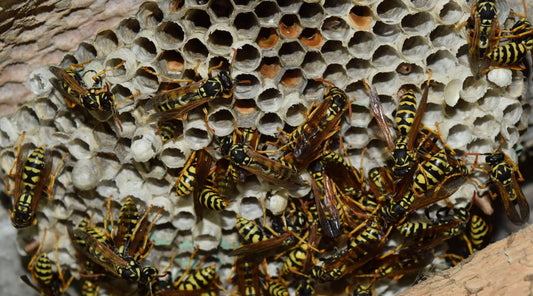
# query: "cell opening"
(195, 50)
(290, 26)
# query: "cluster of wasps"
(351, 230)
(485, 33)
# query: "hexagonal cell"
(443, 64)
(291, 54)
(221, 9)
(220, 41)
(289, 6)
(423, 5)
(170, 61)
(293, 114)
(462, 55)
(126, 71)
(410, 72)
(290, 26)
(451, 13)
(247, 57)
(361, 17)
(386, 33)
(144, 49)
(362, 44)
(310, 13)
(512, 113)
(149, 15)
(242, 2)
(459, 135)
(386, 83)
(269, 100)
(85, 52)
(128, 29)
(358, 68)
(269, 67)
(415, 48)
(361, 116)
(313, 63)
(267, 38)
(169, 35)
(247, 112)
(385, 58)
(392, 11)
(247, 25)
(219, 63)
(292, 79)
(311, 37)
(337, 7)
(355, 137)
(106, 41)
(446, 37)
(335, 52)
(358, 91)
(267, 12)
(335, 28)
(269, 123)
(336, 74)
(195, 50)
(418, 24)
(196, 134)
(313, 89)
(221, 121)
(248, 89)
(145, 82)
(197, 20)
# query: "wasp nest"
(277, 49)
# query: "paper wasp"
(305, 142)
(176, 103)
(48, 282)
(248, 281)
(512, 54)
(408, 120)
(169, 129)
(397, 265)
(280, 173)
(131, 237)
(33, 178)
(71, 85)
(119, 265)
(325, 199)
(505, 175)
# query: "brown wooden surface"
(503, 268)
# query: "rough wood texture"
(39, 32)
(503, 268)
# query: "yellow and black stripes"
(185, 182)
(210, 198)
(197, 280)
(405, 115)
(249, 231)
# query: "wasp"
(249, 231)
(397, 265)
(33, 177)
(248, 277)
(380, 181)
(512, 54)
(169, 130)
(505, 176)
(408, 120)
(121, 266)
(75, 92)
(305, 287)
(325, 200)
(305, 142)
(210, 198)
(176, 103)
(48, 282)
(131, 238)
(280, 173)
(299, 258)
(360, 250)
(348, 179)
(197, 283)
(426, 235)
